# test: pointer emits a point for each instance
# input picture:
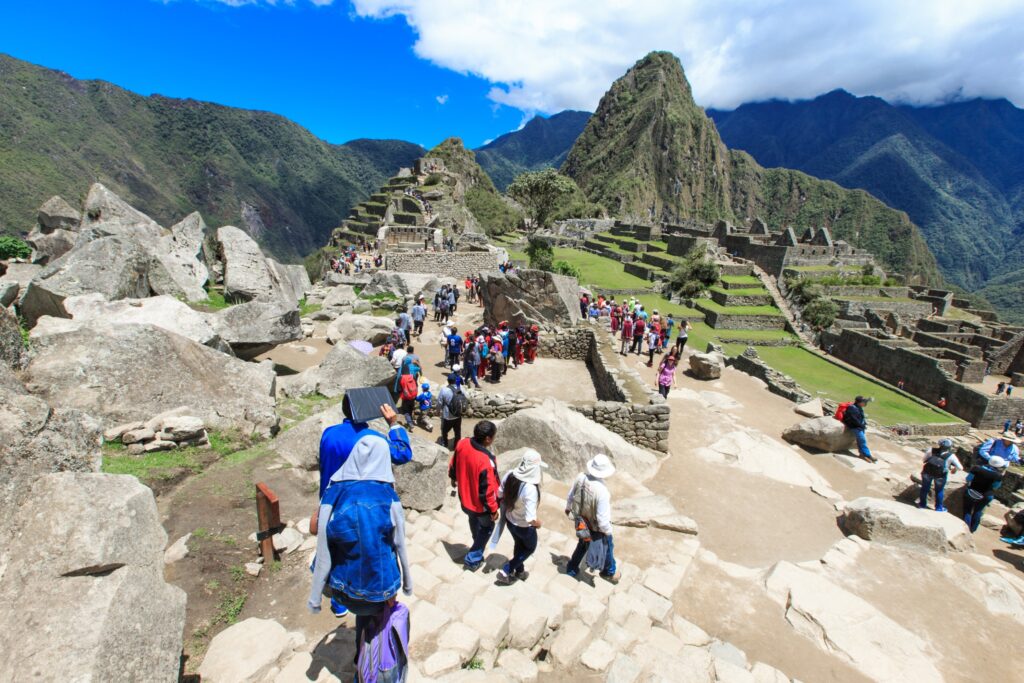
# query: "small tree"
(540, 192)
(566, 268)
(820, 313)
(12, 247)
(694, 275)
(541, 254)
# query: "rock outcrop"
(529, 297)
(422, 483)
(57, 214)
(822, 433)
(106, 214)
(352, 327)
(255, 327)
(12, 349)
(895, 523)
(249, 275)
(15, 280)
(706, 365)
(568, 440)
(92, 544)
(342, 368)
(131, 372)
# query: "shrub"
(12, 247)
(694, 275)
(820, 313)
(432, 179)
(541, 192)
(566, 268)
(540, 253)
(495, 216)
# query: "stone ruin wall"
(642, 421)
(456, 264)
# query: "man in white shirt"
(397, 356)
(590, 496)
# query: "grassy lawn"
(600, 271)
(215, 301)
(751, 291)
(961, 314)
(653, 302)
(163, 465)
(741, 280)
(820, 377)
(739, 310)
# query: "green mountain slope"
(169, 157)
(541, 143)
(650, 153)
(488, 211)
(952, 168)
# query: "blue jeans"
(470, 371)
(926, 485)
(581, 551)
(862, 443)
(974, 509)
(480, 527)
(524, 544)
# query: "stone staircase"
(782, 304)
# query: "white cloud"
(548, 56)
(441, 99)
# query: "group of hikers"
(361, 560)
(488, 354)
(1004, 387)
(355, 259)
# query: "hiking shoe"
(521, 575)
(941, 509)
(504, 579)
(574, 573)
(340, 613)
(612, 578)
(472, 567)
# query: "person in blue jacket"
(982, 482)
(341, 441)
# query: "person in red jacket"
(473, 471)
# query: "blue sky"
(339, 76)
(423, 70)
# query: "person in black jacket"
(857, 422)
(982, 481)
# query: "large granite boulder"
(351, 327)
(706, 365)
(12, 349)
(340, 297)
(848, 627)
(300, 443)
(249, 275)
(246, 651)
(93, 545)
(342, 368)
(126, 373)
(530, 297)
(894, 523)
(293, 279)
(404, 285)
(106, 214)
(822, 433)
(255, 327)
(14, 281)
(116, 267)
(422, 483)
(49, 246)
(567, 440)
(57, 214)
(183, 272)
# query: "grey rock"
(249, 275)
(101, 557)
(12, 348)
(15, 280)
(116, 267)
(352, 327)
(823, 433)
(894, 523)
(342, 368)
(812, 408)
(255, 327)
(182, 428)
(404, 284)
(293, 279)
(530, 297)
(57, 214)
(182, 272)
(9, 291)
(300, 443)
(137, 435)
(706, 365)
(97, 368)
(49, 246)
(422, 483)
(337, 297)
(106, 214)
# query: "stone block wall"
(727, 299)
(641, 425)
(778, 383)
(457, 264)
(926, 339)
(909, 310)
(638, 270)
(728, 321)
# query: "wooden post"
(268, 514)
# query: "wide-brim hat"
(1009, 436)
(600, 466)
(530, 467)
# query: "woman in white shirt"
(520, 493)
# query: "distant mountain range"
(169, 157)
(649, 153)
(541, 143)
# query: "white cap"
(600, 466)
(996, 462)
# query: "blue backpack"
(384, 647)
(364, 561)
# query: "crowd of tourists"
(356, 259)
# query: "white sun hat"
(529, 468)
(600, 466)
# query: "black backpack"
(459, 403)
(935, 465)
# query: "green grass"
(307, 308)
(382, 296)
(875, 298)
(751, 291)
(215, 301)
(600, 271)
(653, 302)
(741, 280)
(740, 310)
(813, 269)
(167, 464)
(820, 377)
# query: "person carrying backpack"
(454, 347)
(982, 482)
(853, 417)
(453, 404)
(339, 442)
(639, 333)
(473, 471)
(424, 404)
(939, 462)
(627, 334)
(589, 506)
(519, 494)
(471, 362)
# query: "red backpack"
(841, 410)
(409, 388)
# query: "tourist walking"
(470, 362)
(419, 314)
(939, 463)
(684, 334)
(496, 359)
(856, 421)
(473, 471)
(453, 405)
(454, 345)
(589, 505)
(653, 343)
(354, 468)
(982, 481)
(1006, 447)
(627, 334)
(667, 374)
(519, 494)
(639, 328)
